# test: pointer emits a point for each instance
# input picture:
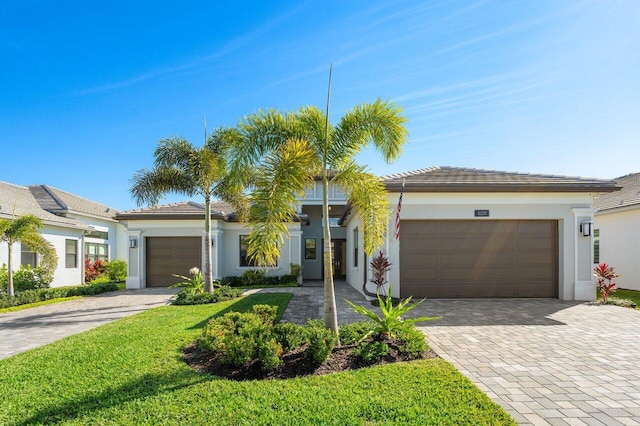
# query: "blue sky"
(88, 89)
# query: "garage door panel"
(166, 256)
(478, 258)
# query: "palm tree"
(279, 154)
(26, 229)
(185, 169)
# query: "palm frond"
(380, 123)
(45, 249)
(150, 186)
(173, 152)
(368, 198)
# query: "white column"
(584, 287)
(135, 260)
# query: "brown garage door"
(479, 258)
(171, 255)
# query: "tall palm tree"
(182, 168)
(26, 229)
(279, 154)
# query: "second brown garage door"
(483, 258)
(171, 255)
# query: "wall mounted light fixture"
(586, 228)
(133, 243)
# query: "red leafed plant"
(380, 265)
(605, 274)
(93, 270)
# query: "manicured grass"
(632, 295)
(129, 372)
(33, 305)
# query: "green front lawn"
(632, 295)
(130, 372)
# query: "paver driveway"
(545, 361)
(30, 328)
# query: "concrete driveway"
(545, 361)
(30, 328)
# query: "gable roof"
(461, 179)
(61, 202)
(629, 194)
(181, 210)
(18, 200)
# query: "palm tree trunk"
(330, 314)
(9, 271)
(208, 279)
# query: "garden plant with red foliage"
(605, 273)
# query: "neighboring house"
(78, 228)
(464, 233)
(617, 230)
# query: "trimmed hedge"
(219, 295)
(266, 281)
(32, 296)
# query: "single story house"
(78, 228)
(617, 230)
(463, 233)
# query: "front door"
(339, 259)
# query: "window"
(71, 253)
(98, 234)
(596, 246)
(334, 222)
(355, 248)
(95, 251)
(28, 256)
(310, 248)
(244, 260)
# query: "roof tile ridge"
(58, 200)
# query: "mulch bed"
(295, 363)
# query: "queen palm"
(26, 229)
(183, 168)
(279, 154)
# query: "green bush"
(321, 341)
(295, 270)
(39, 295)
(25, 278)
(370, 352)
(243, 337)
(412, 342)
(290, 335)
(268, 313)
(102, 279)
(117, 270)
(185, 297)
(232, 281)
(353, 333)
(250, 278)
(253, 277)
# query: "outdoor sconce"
(133, 243)
(586, 228)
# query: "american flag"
(398, 212)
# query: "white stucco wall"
(620, 244)
(569, 209)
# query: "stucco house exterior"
(463, 233)
(78, 228)
(617, 230)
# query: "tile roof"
(629, 194)
(181, 210)
(58, 201)
(18, 200)
(460, 179)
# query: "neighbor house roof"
(182, 210)
(18, 200)
(629, 194)
(460, 179)
(60, 202)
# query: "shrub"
(253, 277)
(101, 279)
(321, 341)
(117, 270)
(355, 332)
(93, 270)
(243, 337)
(25, 278)
(290, 335)
(232, 281)
(370, 352)
(412, 342)
(185, 297)
(295, 270)
(192, 285)
(268, 313)
(605, 274)
(625, 303)
(32, 296)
